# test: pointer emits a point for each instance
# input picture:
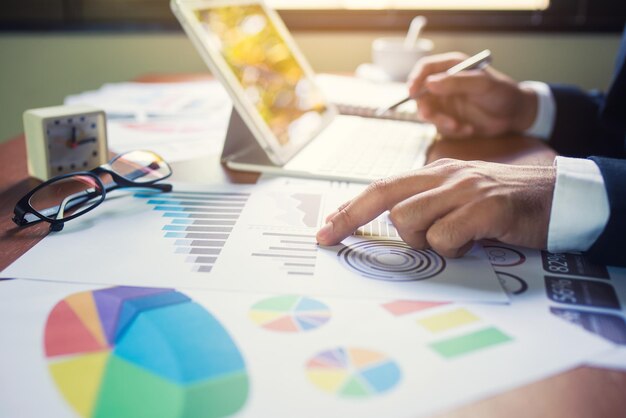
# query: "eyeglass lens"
(140, 166)
(67, 197)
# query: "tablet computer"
(248, 48)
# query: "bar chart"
(198, 223)
(457, 331)
(380, 228)
(293, 253)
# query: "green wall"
(40, 69)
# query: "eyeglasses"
(68, 196)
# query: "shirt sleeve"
(543, 125)
(580, 206)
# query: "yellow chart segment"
(79, 379)
(84, 307)
(330, 380)
(264, 317)
(362, 358)
(353, 372)
(448, 320)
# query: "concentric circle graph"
(503, 256)
(512, 284)
(391, 260)
(290, 314)
(353, 372)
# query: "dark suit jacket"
(593, 125)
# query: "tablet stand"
(240, 145)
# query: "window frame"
(560, 16)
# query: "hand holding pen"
(475, 62)
(463, 98)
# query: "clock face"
(74, 143)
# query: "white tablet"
(248, 48)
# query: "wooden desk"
(583, 392)
(14, 180)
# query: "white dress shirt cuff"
(580, 206)
(546, 110)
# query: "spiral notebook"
(361, 97)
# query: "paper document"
(92, 351)
(612, 359)
(179, 121)
(357, 96)
(249, 238)
(572, 288)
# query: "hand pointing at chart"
(449, 204)
(481, 101)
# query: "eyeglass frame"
(20, 213)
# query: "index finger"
(432, 65)
(376, 199)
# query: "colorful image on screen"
(271, 77)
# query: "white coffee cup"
(392, 56)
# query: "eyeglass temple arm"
(127, 180)
(84, 196)
(22, 217)
(59, 224)
(70, 202)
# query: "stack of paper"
(212, 301)
(216, 301)
(179, 121)
(361, 97)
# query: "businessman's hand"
(449, 204)
(475, 102)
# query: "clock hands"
(73, 142)
(86, 141)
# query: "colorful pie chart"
(290, 314)
(353, 372)
(143, 352)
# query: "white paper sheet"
(428, 361)
(572, 288)
(179, 121)
(363, 97)
(246, 238)
(613, 359)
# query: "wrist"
(528, 105)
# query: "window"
(449, 15)
(411, 4)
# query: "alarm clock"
(64, 139)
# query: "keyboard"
(368, 149)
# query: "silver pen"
(475, 62)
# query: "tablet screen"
(270, 76)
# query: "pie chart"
(290, 314)
(353, 372)
(143, 352)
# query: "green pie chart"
(143, 352)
